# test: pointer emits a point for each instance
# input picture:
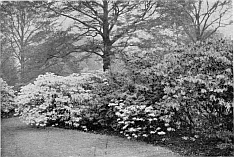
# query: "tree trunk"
(106, 38)
(106, 61)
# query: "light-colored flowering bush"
(98, 115)
(199, 86)
(52, 99)
(7, 98)
(135, 121)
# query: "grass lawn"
(20, 140)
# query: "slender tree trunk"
(106, 38)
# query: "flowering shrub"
(7, 98)
(98, 115)
(51, 99)
(199, 86)
(135, 121)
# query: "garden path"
(20, 140)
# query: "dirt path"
(20, 140)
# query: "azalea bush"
(96, 115)
(7, 98)
(199, 87)
(52, 99)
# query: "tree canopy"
(102, 24)
(199, 19)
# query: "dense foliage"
(7, 98)
(199, 87)
(198, 83)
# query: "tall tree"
(100, 25)
(199, 19)
(23, 26)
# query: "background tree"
(199, 19)
(23, 28)
(102, 24)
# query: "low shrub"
(97, 115)
(51, 99)
(7, 99)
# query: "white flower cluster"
(140, 121)
(52, 97)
